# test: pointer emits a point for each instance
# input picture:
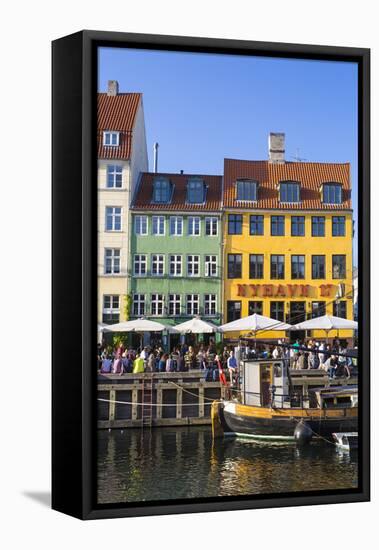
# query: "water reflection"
(185, 463)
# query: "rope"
(191, 393)
(152, 404)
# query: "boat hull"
(266, 423)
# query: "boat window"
(277, 371)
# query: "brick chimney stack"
(276, 148)
(112, 87)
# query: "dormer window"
(162, 190)
(196, 191)
(332, 193)
(111, 139)
(289, 191)
(247, 190)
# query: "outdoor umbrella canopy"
(326, 322)
(196, 326)
(139, 325)
(254, 323)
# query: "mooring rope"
(153, 404)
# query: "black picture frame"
(74, 271)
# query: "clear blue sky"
(202, 108)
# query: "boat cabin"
(334, 398)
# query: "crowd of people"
(223, 366)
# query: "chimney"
(155, 149)
(276, 148)
(112, 87)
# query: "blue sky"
(202, 108)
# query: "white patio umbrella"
(101, 327)
(327, 323)
(196, 326)
(254, 323)
(140, 325)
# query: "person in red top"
(221, 373)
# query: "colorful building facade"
(288, 234)
(176, 252)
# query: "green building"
(175, 248)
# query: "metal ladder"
(147, 401)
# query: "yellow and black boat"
(274, 403)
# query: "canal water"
(136, 465)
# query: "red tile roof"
(144, 194)
(311, 176)
(116, 113)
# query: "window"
(111, 139)
(211, 226)
(175, 265)
(113, 218)
(255, 307)
(157, 265)
(332, 193)
(234, 266)
(256, 225)
(193, 265)
(210, 266)
(111, 309)
(233, 310)
(318, 226)
(192, 304)
(338, 226)
(277, 266)
(138, 305)
(246, 190)
(289, 192)
(157, 304)
(210, 304)
(162, 190)
(158, 225)
(297, 226)
(318, 267)
(256, 266)
(195, 191)
(174, 304)
(140, 265)
(318, 309)
(176, 226)
(194, 226)
(114, 176)
(235, 224)
(140, 225)
(298, 267)
(112, 261)
(277, 311)
(277, 226)
(339, 266)
(339, 309)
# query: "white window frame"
(139, 223)
(113, 216)
(213, 226)
(159, 222)
(111, 134)
(209, 300)
(112, 309)
(192, 300)
(159, 261)
(175, 221)
(193, 223)
(177, 302)
(139, 300)
(157, 303)
(116, 171)
(193, 260)
(142, 260)
(115, 254)
(210, 265)
(176, 260)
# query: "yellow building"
(288, 234)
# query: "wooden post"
(112, 405)
(159, 401)
(135, 401)
(201, 402)
(179, 401)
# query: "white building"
(122, 156)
